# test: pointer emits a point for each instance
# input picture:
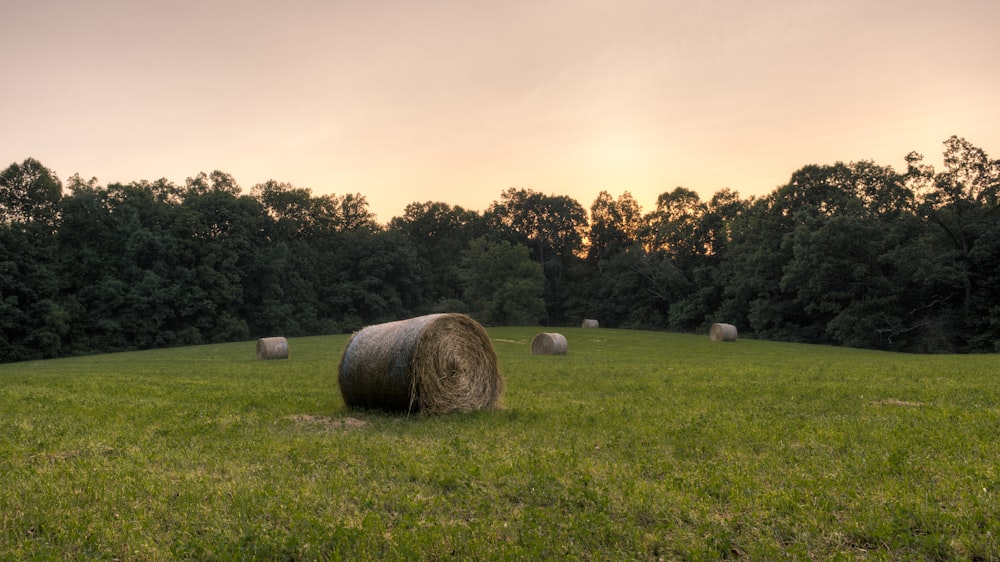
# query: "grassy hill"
(634, 445)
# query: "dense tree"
(851, 254)
(701, 292)
(615, 226)
(838, 278)
(724, 207)
(372, 277)
(678, 241)
(125, 233)
(290, 207)
(502, 285)
(222, 235)
(297, 214)
(962, 202)
(553, 227)
(33, 316)
(345, 213)
(215, 182)
(836, 271)
(550, 225)
(983, 306)
(675, 227)
(628, 292)
(439, 233)
(29, 193)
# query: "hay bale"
(589, 323)
(722, 332)
(435, 364)
(549, 343)
(272, 348)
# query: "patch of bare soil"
(894, 402)
(327, 422)
(98, 451)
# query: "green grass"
(634, 446)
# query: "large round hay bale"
(272, 348)
(589, 323)
(435, 364)
(722, 332)
(549, 343)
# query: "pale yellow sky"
(458, 100)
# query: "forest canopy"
(853, 254)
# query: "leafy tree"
(439, 234)
(290, 207)
(29, 193)
(615, 226)
(629, 291)
(983, 322)
(220, 236)
(724, 207)
(697, 306)
(372, 277)
(838, 278)
(502, 285)
(344, 213)
(821, 259)
(34, 320)
(215, 182)
(853, 254)
(751, 271)
(299, 215)
(550, 225)
(135, 260)
(553, 227)
(962, 201)
(678, 243)
(281, 297)
(675, 227)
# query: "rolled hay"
(435, 364)
(549, 343)
(272, 348)
(722, 332)
(589, 323)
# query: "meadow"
(633, 446)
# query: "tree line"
(853, 254)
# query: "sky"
(458, 100)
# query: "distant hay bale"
(272, 348)
(722, 332)
(549, 343)
(435, 364)
(589, 323)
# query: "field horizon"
(633, 446)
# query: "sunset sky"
(456, 100)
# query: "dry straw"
(435, 364)
(272, 348)
(722, 332)
(549, 343)
(589, 323)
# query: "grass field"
(633, 446)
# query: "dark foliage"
(847, 254)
